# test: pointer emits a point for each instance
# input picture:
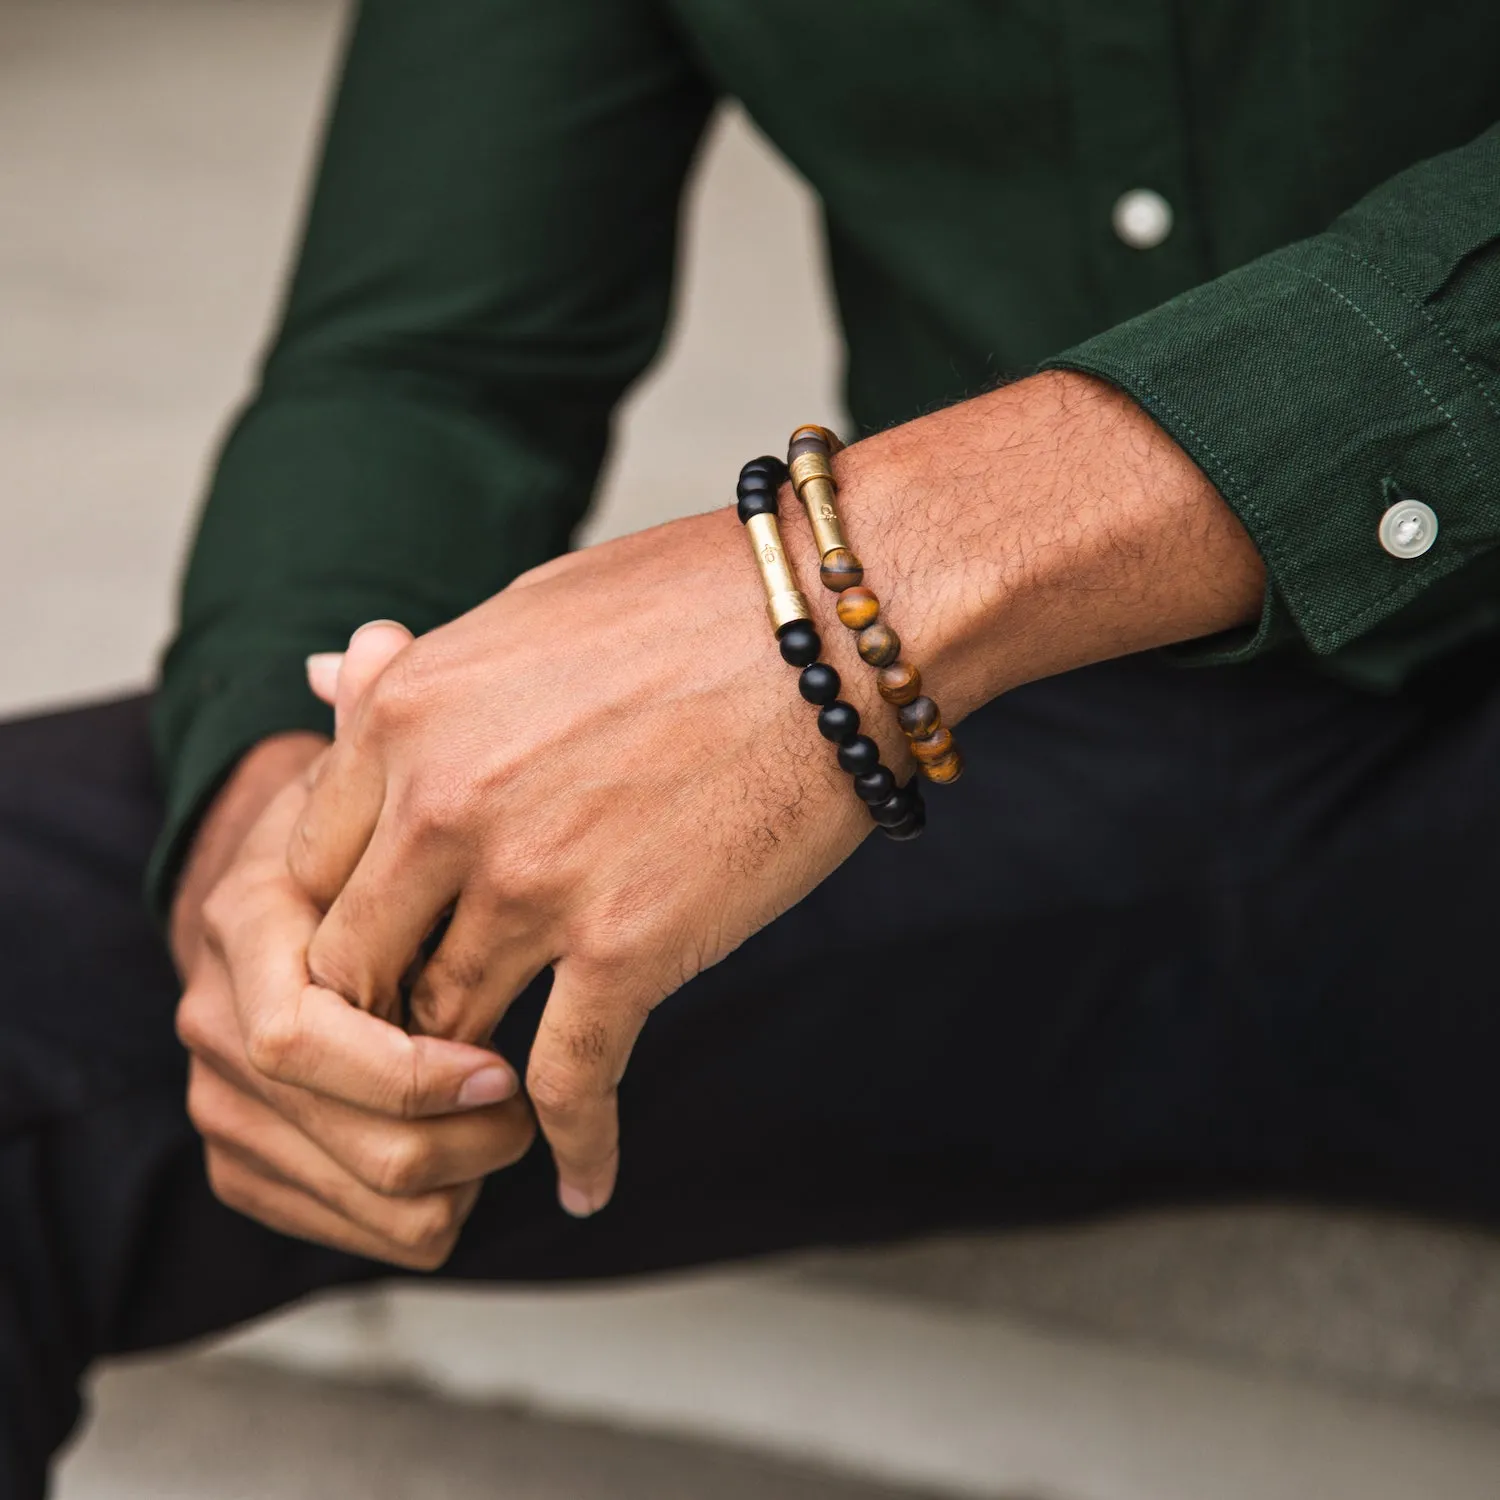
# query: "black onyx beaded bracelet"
(898, 811)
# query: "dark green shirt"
(490, 255)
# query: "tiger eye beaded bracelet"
(898, 811)
(898, 681)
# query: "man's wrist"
(1040, 528)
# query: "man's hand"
(607, 769)
(319, 1120)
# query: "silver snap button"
(1408, 528)
(1142, 218)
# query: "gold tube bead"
(784, 600)
(809, 466)
(812, 478)
(817, 496)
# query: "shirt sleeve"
(487, 265)
(1328, 381)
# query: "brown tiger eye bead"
(841, 570)
(878, 644)
(933, 747)
(919, 718)
(945, 768)
(899, 683)
(857, 608)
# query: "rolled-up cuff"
(1311, 389)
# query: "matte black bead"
(819, 683)
(800, 643)
(859, 754)
(766, 467)
(755, 504)
(910, 827)
(896, 808)
(838, 722)
(875, 786)
(759, 481)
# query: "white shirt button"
(1142, 218)
(1408, 528)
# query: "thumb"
(343, 677)
(371, 650)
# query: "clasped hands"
(604, 770)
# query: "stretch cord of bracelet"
(898, 811)
(898, 681)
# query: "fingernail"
(325, 661)
(371, 624)
(487, 1086)
(574, 1200)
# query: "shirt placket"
(1139, 214)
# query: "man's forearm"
(1039, 528)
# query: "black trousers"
(1177, 935)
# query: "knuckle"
(192, 1020)
(400, 1165)
(305, 861)
(429, 1229)
(457, 973)
(406, 1088)
(331, 969)
(617, 950)
(222, 905)
(401, 693)
(559, 1091)
(227, 1180)
(272, 1043)
(435, 805)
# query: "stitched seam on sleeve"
(1425, 313)
(1421, 384)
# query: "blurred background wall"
(152, 159)
(152, 156)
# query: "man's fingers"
(379, 921)
(394, 1157)
(336, 822)
(323, 675)
(341, 814)
(418, 1229)
(324, 1044)
(302, 1035)
(288, 1210)
(581, 1049)
(488, 955)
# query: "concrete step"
(897, 1387)
(199, 1431)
